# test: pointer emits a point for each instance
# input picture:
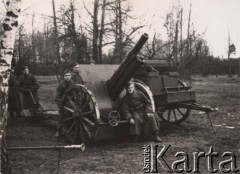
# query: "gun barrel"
(136, 49)
(126, 69)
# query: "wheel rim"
(147, 91)
(173, 114)
(79, 117)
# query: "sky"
(216, 17)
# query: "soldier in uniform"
(28, 86)
(76, 76)
(14, 105)
(137, 108)
(62, 90)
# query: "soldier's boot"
(156, 137)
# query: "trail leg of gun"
(213, 128)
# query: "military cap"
(66, 71)
(24, 67)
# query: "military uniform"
(136, 106)
(14, 104)
(28, 84)
(77, 78)
(62, 89)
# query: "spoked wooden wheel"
(80, 115)
(173, 114)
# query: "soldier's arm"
(80, 80)
(58, 97)
(35, 84)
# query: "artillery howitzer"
(96, 104)
(87, 107)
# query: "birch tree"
(10, 26)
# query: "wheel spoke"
(71, 102)
(86, 129)
(68, 109)
(85, 104)
(69, 118)
(81, 133)
(174, 113)
(110, 119)
(169, 114)
(69, 130)
(88, 121)
(180, 111)
(76, 131)
(85, 113)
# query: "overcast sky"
(217, 17)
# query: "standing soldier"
(61, 92)
(76, 75)
(14, 105)
(137, 108)
(28, 86)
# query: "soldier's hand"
(132, 121)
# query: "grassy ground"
(124, 156)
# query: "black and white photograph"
(119, 86)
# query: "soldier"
(28, 86)
(62, 89)
(76, 76)
(14, 105)
(137, 108)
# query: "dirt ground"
(122, 155)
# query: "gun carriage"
(85, 108)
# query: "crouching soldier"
(137, 108)
(62, 89)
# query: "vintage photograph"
(119, 86)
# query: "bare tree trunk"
(78, 45)
(118, 48)
(56, 42)
(229, 59)
(33, 51)
(10, 26)
(175, 45)
(181, 38)
(101, 31)
(46, 45)
(188, 30)
(95, 31)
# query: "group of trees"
(67, 38)
(184, 45)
